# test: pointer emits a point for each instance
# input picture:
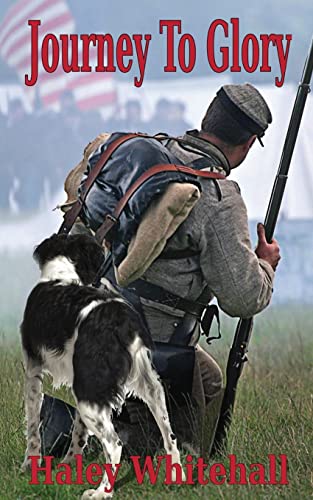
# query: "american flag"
(91, 90)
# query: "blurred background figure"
(160, 118)
(169, 117)
(20, 174)
(133, 117)
(177, 125)
(70, 118)
(80, 125)
(129, 121)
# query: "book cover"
(71, 70)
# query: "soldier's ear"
(251, 141)
(247, 145)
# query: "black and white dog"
(92, 341)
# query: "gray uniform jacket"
(217, 229)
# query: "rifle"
(238, 352)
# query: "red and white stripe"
(91, 90)
(15, 44)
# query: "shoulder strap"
(162, 136)
(111, 219)
(71, 215)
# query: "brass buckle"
(111, 218)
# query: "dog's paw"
(183, 475)
(26, 465)
(96, 495)
(68, 459)
(175, 475)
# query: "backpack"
(133, 194)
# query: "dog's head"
(81, 250)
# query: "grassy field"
(273, 415)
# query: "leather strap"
(71, 215)
(157, 294)
(206, 322)
(186, 327)
(112, 219)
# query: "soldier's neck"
(232, 153)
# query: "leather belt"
(159, 295)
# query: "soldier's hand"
(267, 251)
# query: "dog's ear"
(87, 255)
(49, 248)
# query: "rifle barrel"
(289, 145)
(239, 348)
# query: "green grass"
(273, 413)
(18, 275)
